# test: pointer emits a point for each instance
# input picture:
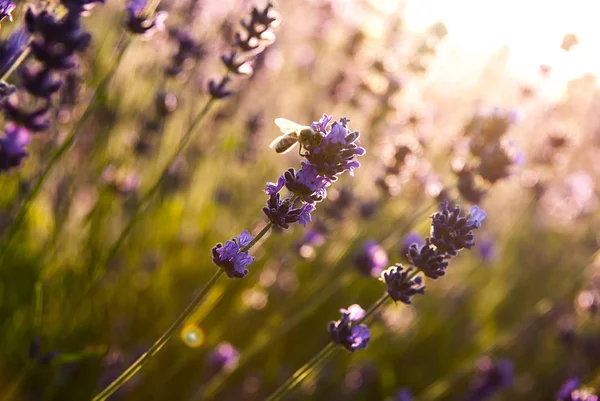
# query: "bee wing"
(287, 126)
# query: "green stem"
(302, 373)
(373, 309)
(157, 346)
(66, 145)
(258, 237)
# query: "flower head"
(451, 231)
(492, 377)
(345, 334)
(6, 7)
(141, 24)
(428, 259)
(322, 124)
(411, 238)
(282, 213)
(12, 146)
(404, 394)
(307, 184)
(337, 151)
(371, 259)
(224, 357)
(571, 391)
(399, 286)
(230, 256)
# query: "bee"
(294, 134)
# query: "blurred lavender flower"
(487, 250)
(343, 333)
(6, 7)
(491, 379)
(337, 150)
(224, 358)
(12, 146)
(230, 258)
(371, 259)
(570, 391)
(399, 286)
(188, 50)
(139, 23)
(404, 394)
(411, 238)
(451, 232)
(219, 90)
(11, 49)
(45, 358)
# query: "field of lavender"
(431, 234)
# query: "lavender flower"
(350, 337)
(139, 23)
(282, 213)
(371, 259)
(6, 7)
(491, 378)
(428, 259)
(412, 238)
(307, 184)
(570, 391)
(12, 146)
(399, 286)
(230, 256)
(337, 150)
(219, 90)
(188, 50)
(404, 394)
(451, 231)
(224, 357)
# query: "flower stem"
(157, 346)
(258, 237)
(64, 147)
(302, 373)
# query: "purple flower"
(399, 286)
(282, 213)
(487, 250)
(428, 259)
(336, 153)
(12, 146)
(230, 256)
(322, 124)
(345, 334)
(371, 259)
(224, 357)
(273, 188)
(570, 391)
(491, 378)
(6, 7)
(307, 184)
(219, 90)
(141, 24)
(412, 238)
(404, 394)
(451, 232)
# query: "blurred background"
(480, 102)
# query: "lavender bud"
(350, 337)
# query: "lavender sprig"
(401, 285)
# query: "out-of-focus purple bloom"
(399, 286)
(6, 7)
(307, 184)
(336, 153)
(219, 90)
(230, 256)
(404, 394)
(487, 250)
(428, 259)
(491, 379)
(451, 232)
(345, 334)
(258, 30)
(40, 83)
(411, 238)
(188, 50)
(139, 23)
(571, 391)
(224, 357)
(322, 124)
(45, 358)
(12, 146)
(12, 48)
(371, 259)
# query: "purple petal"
(273, 188)
(244, 238)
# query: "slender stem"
(301, 373)
(17, 62)
(157, 346)
(258, 237)
(374, 309)
(22, 212)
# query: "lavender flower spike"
(12, 146)
(399, 286)
(230, 256)
(350, 337)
